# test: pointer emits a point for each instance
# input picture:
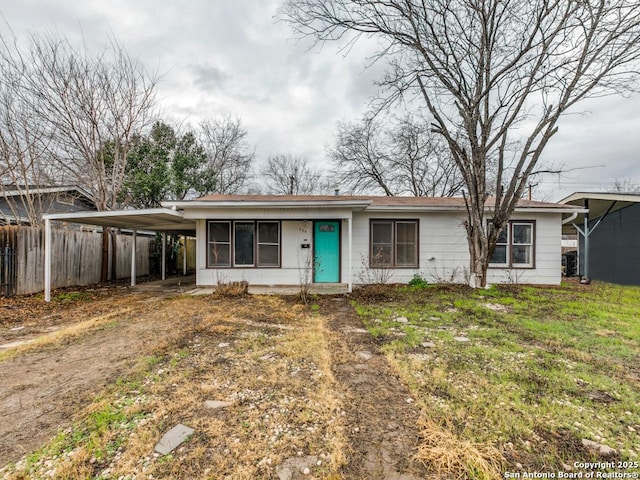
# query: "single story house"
(350, 239)
(346, 240)
(608, 234)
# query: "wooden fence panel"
(75, 257)
(8, 273)
(123, 255)
(191, 254)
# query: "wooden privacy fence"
(8, 276)
(76, 257)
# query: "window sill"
(511, 267)
(389, 267)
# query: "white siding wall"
(293, 259)
(443, 250)
(548, 254)
(443, 253)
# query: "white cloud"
(234, 58)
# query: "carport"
(598, 209)
(161, 220)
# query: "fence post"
(8, 277)
(47, 260)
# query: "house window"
(248, 243)
(268, 244)
(243, 244)
(219, 244)
(514, 247)
(394, 243)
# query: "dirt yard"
(91, 382)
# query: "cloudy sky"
(230, 57)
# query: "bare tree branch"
(289, 175)
(495, 75)
(229, 156)
(404, 158)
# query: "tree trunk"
(478, 256)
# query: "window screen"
(268, 244)
(394, 243)
(219, 244)
(244, 233)
(381, 243)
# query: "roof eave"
(581, 196)
(195, 204)
(111, 213)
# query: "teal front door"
(326, 243)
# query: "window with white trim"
(243, 244)
(515, 245)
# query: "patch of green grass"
(178, 356)
(71, 297)
(544, 367)
(99, 432)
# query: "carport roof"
(599, 202)
(154, 219)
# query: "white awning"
(155, 219)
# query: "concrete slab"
(173, 439)
(365, 354)
(17, 343)
(314, 289)
(216, 404)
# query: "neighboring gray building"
(613, 243)
(14, 204)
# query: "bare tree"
(89, 106)
(625, 185)
(86, 105)
(360, 159)
(404, 158)
(229, 155)
(496, 76)
(289, 175)
(23, 154)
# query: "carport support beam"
(47, 260)
(585, 255)
(164, 259)
(184, 256)
(350, 241)
(133, 257)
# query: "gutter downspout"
(570, 219)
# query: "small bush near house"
(418, 282)
(231, 289)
